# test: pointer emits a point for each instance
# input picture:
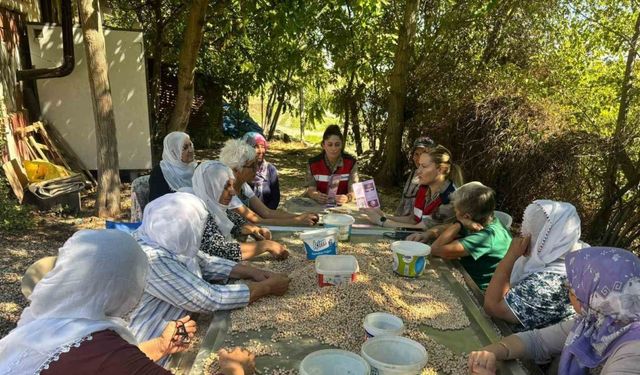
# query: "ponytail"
(455, 175)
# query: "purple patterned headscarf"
(606, 281)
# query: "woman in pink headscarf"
(265, 185)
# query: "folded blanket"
(57, 186)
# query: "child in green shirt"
(477, 238)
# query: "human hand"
(471, 225)
(319, 197)
(372, 214)
(419, 237)
(265, 233)
(277, 250)
(306, 219)
(342, 199)
(482, 363)
(278, 284)
(177, 335)
(258, 274)
(235, 359)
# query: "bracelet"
(459, 222)
(506, 347)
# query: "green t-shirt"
(486, 249)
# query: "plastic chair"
(122, 225)
(35, 273)
(504, 218)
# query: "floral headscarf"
(606, 281)
(255, 138)
(262, 170)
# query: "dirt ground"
(19, 250)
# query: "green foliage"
(505, 84)
(13, 217)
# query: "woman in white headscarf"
(182, 278)
(75, 322)
(527, 288)
(175, 170)
(213, 183)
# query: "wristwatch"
(382, 220)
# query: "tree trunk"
(390, 172)
(355, 125)
(213, 94)
(108, 200)
(276, 117)
(345, 128)
(156, 73)
(611, 191)
(303, 118)
(271, 101)
(187, 65)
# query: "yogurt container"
(382, 324)
(336, 269)
(409, 257)
(320, 242)
(343, 222)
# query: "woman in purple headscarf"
(604, 289)
(265, 184)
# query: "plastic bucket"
(336, 269)
(320, 242)
(333, 362)
(394, 355)
(381, 324)
(409, 257)
(341, 221)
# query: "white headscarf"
(174, 223)
(98, 280)
(555, 230)
(209, 181)
(176, 172)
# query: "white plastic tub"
(381, 324)
(409, 257)
(320, 242)
(333, 362)
(341, 221)
(394, 355)
(336, 269)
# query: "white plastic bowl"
(394, 355)
(381, 323)
(334, 362)
(341, 221)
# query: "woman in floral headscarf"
(605, 292)
(265, 185)
(527, 287)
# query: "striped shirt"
(172, 291)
